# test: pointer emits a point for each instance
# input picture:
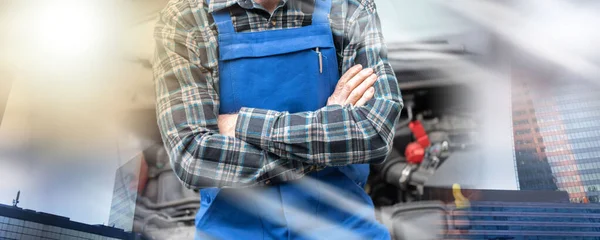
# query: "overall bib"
(291, 70)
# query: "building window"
(523, 142)
(521, 132)
(526, 152)
(519, 113)
(521, 122)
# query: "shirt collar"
(216, 5)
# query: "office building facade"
(531, 220)
(517, 214)
(22, 224)
(556, 132)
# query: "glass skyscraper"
(125, 193)
(556, 132)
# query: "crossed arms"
(265, 144)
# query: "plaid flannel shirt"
(269, 146)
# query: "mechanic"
(250, 101)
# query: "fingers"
(349, 74)
(335, 97)
(360, 90)
(354, 82)
(365, 97)
(352, 86)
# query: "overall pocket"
(289, 82)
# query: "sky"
(61, 138)
(67, 169)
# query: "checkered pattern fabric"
(269, 146)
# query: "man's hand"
(355, 87)
(227, 123)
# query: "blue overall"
(291, 70)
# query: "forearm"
(200, 154)
(331, 136)
(208, 159)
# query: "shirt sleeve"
(185, 73)
(336, 135)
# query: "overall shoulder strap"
(223, 20)
(321, 13)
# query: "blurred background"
(512, 86)
(70, 71)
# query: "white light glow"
(67, 28)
